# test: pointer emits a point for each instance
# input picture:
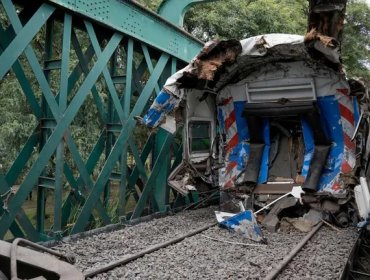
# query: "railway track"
(190, 246)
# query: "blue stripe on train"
(331, 120)
(240, 153)
(162, 105)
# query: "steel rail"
(129, 258)
(276, 271)
(151, 249)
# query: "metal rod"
(357, 126)
(275, 272)
(330, 225)
(148, 250)
(271, 203)
(230, 242)
(360, 273)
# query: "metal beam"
(139, 62)
(138, 22)
(158, 166)
(116, 151)
(174, 10)
(24, 34)
(58, 133)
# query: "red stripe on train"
(230, 120)
(344, 91)
(229, 183)
(232, 143)
(230, 167)
(347, 114)
(226, 101)
(351, 145)
(346, 168)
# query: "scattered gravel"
(97, 250)
(201, 257)
(323, 257)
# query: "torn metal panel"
(181, 183)
(169, 124)
(361, 135)
(243, 223)
(187, 177)
(262, 45)
(199, 143)
(164, 104)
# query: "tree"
(17, 121)
(240, 19)
(150, 4)
(356, 40)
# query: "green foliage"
(17, 120)
(150, 4)
(356, 40)
(241, 19)
(17, 117)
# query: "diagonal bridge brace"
(46, 89)
(22, 43)
(56, 136)
(149, 186)
(121, 140)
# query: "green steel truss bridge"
(132, 50)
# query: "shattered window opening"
(199, 136)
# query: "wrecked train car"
(266, 114)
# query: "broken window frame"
(190, 137)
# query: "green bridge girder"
(127, 49)
(174, 11)
(140, 23)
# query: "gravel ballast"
(199, 257)
(203, 257)
(323, 257)
(97, 250)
